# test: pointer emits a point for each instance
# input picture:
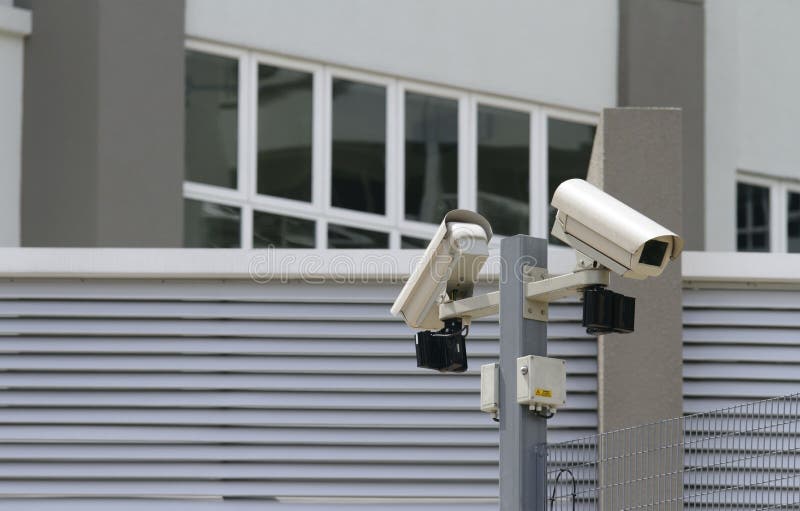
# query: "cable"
(574, 488)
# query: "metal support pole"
(522, 433)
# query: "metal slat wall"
(740, 345)
(212, 390)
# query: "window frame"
(320, 209)
(779, 188)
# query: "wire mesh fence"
(744, 457)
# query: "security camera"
(447, 272)
(611, 233)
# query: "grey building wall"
(662, 63)
(637, 158)
(103, 124)
(560, 52)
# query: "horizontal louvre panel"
(202, 389)
(739, 345)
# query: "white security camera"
(447, 271)
(611, 233)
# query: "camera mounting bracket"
(540, 289)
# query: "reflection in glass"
(411, 242)
(503, 169)
(793, 217)
(209, 225)
(358, 157)
(341, 236)
(212, 89)
(752, 218)
(431, 157)
(284, 132)
(278, 231)
(569, 148)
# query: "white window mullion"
(778, 218)
(213, 193)
(467, 153)
(243, 126)
(248, 144)
(321, 233)
(538, 179)
(393, 152)
(326, 131)
(318, 143)
(247, 227)
(399, 180)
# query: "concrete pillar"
(103, 124)
(637, 158)
(662, 63)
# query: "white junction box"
(490, 389)
(541, 382)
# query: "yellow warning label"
(543, 393)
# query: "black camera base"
(605, 311)
(444, 350)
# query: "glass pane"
(793, 216)
(278, 231)
(411, 242)
(284, 132)
(340, 236)
(752, 218)
(569, 149)
(358, 158)
(431, 133)
(503, 169)
(212, 89)
(209, 225)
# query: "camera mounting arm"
(540, 289)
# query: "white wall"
(752, 110)
(14, 25)
(551, 51)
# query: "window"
(431, 157)
(504, 169)
(212, 97)
(767, 214)
(793, 222)
(293, 154)
(285, 128)
(206, 224)
(569, 149)
(358, 154)
(752, 218)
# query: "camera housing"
(447, 271)
(612, 233)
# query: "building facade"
(270, 136)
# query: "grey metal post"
(522, 433)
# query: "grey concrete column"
(103, 124)
(637, 158)
(662, 63)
